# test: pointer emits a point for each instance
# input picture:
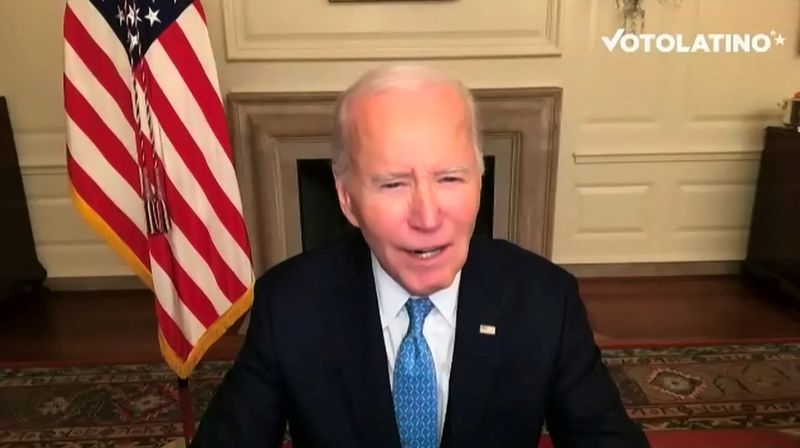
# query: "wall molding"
(43, 170)
(659, 269)
(244, 44)
(41, 152)
(106, 283)
(667, 156)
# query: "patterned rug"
(670, 389)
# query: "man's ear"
(345, 200)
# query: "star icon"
(152, 16)
(780, 40)
(120, 15)
(133, 15)
(773, 33)
(133, 41)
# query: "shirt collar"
(392, 296)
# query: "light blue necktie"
(415, 383)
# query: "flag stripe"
(177, 93)
(103, 36)
(116, 219)
(104, 175)
(176, 46)
(189, 326)
(202, 275)
(193, 299)
(193, 23)
(205, 144)
(98, 63)
(104, 140)
(186, 147)
(188, 281)
(226, 251)
(201, 11)
(197, 234)
(99, 101)
(172, 332)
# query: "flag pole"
(187, 413)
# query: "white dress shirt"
(439, 328)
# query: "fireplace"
(281, 150)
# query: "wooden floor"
(686, 310)
(120, 326)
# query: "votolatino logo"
(702, 43)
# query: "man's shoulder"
(521, 272)
(506, 257)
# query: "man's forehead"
(396, 99)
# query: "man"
(415, 333)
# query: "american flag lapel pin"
(488, 329)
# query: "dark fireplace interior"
(320, 216)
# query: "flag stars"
(133, 41)
(120, 15)
(152, 16)
(133, 15)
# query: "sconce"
(633, 13)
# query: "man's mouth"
(427, 253)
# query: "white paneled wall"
(667, 145)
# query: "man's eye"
(451, 179)
(391, 185)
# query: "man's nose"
(425, 213)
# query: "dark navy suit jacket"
(314, 356)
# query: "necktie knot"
(418, 310)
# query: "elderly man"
(415, 332)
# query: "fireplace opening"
(321, 219)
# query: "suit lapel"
(356, 325)
(475, 353)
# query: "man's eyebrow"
(452, 170)
(394, 175)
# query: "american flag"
(150, 164)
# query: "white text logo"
(701, 43)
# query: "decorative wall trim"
(109, 283)
(40, 148)
(666, 156)
(244, 44)
(43, 170)
(669, 269)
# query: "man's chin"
(423, 287)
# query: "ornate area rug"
(665, 390)
(716, 387)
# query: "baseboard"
(664, 269)
(111, 283)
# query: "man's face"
(413, 185)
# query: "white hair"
(392, 78)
